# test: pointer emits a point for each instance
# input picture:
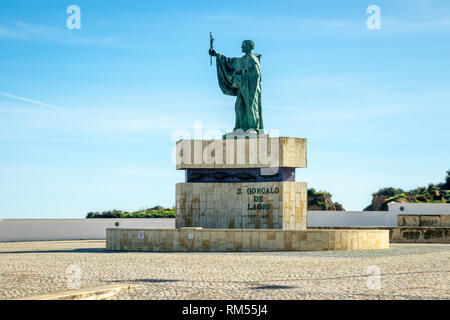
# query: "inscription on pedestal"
(258, 200)
(276, 205)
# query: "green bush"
(433, 193)
(155, 212)
(418, 190)
(446, 185)
(390, 192)
(384, 205)
(338, 206)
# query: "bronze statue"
(241, 77)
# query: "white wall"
(349, 219)
(419, 208)
(71, 229)
(396, 208)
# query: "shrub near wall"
(155, 212)
(433, 193)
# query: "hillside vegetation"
(155, 212)
(433, 193)
(321, 200)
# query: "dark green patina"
(241, 77)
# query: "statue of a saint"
(241, 77)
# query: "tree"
(390, 192)
(446, 185)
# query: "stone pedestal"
(242, 184)
(241, 195)
(242, 205)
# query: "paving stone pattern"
(408, 271)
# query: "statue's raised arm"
(241, 77)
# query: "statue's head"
(247, 46)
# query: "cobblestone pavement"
(408, 271)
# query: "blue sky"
(86, 116)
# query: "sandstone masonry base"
(243, 240)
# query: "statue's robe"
(241, 77)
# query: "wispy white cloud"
(20, 30)
(292, 27)
(85, 123)
(285, 27)
(416, 25)
(350, 113)
(147, 173)
(28, 100)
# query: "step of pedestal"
(243, 240)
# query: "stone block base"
(421, 234)
(406, 234)
(239, 205)
(243, 240)
(425, 220)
